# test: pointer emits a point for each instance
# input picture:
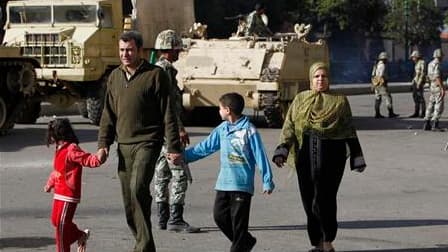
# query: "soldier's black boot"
(392, 114)
(416, 111)
(435, 125)
(163, 212)
(427, 125)
(176, 222)
(377, 109)
(423, 110)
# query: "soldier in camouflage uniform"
(417, 84)
(437, 92)
(257, 23)
(170, 209)
(379, 82)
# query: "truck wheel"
(29, 113)
(95, 104)
(82, 108)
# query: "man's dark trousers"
(136, 164)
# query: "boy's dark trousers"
(231, 214)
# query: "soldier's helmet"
(437, 53)
(382, 56)
(168, 40)
(416, 54)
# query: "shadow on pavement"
(18, 139)
(370, 123)
(442, 248)
(26, 242)
(367, 224)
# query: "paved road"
(398, 204)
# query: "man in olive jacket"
(138, 113)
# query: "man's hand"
(184, 138)
(102, 154)
(175, 158)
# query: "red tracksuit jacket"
(66, 177)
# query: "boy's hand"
(175, 158)
(268, 192)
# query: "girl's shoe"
(82, 241)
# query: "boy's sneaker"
(82, 241)
(251, 245)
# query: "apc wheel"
(82, 108)
(3, 112)
(29, 113)
(95, 109)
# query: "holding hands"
(280, 156)
(102, 154)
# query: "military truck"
(268, 72)
(17, 83)
(76, 44)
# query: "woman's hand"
(280, 156)
(279, 161)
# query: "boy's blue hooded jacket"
(241, 149)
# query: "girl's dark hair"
(234, 101)
(60, 129)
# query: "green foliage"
(350, 15)
(421, 18)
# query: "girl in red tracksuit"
(66, 181)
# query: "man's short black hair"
(132, 35)
(259, 6)
(234, 101)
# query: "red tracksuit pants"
(66, 231)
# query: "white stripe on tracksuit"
(61, 226)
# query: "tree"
(350, 15)
(417, 24)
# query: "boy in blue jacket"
(241, 149)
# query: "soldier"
(437, 92)
(379, 85)
(170, 209)
(417, 84)
(257, 22)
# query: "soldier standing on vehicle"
(257, 22)
(379, 85)
(437, 92)
(417, 84)
(170, 209)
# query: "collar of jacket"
(241, 123)
(142, 67)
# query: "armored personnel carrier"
(267, 72)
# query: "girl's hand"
(47, 188)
